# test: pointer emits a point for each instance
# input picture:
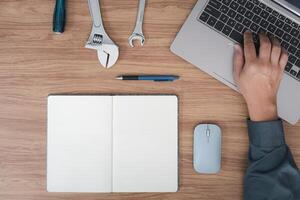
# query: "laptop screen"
(294, 2)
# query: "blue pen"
(149, 78)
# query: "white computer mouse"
(207, 148)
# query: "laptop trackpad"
(229, 82)
(224, 71)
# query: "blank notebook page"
(145, 144)
(79, 144)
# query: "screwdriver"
(59, 16)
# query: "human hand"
(258, 77)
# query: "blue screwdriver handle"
(59, 16)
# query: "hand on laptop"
(258, 76)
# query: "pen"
(149, 78)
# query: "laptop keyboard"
(232, 18)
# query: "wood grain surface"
(34, 63)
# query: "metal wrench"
(108, 51)
(138, 30)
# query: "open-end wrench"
(138, 30)
(108, 51)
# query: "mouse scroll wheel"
(207, 132)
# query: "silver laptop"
(207, 38)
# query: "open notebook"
(112, 143)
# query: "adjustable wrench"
(108, 51)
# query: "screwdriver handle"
(59, 16)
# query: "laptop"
(208, 36)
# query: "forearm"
(272, 172)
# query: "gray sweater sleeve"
(272, 173)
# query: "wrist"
(266, 112)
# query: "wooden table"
(34, 63)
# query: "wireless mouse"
(207, 148)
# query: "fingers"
(249, 48)
(276, 51)
(238, 62)
(283, 59)
(265, 47)
(281, 65)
